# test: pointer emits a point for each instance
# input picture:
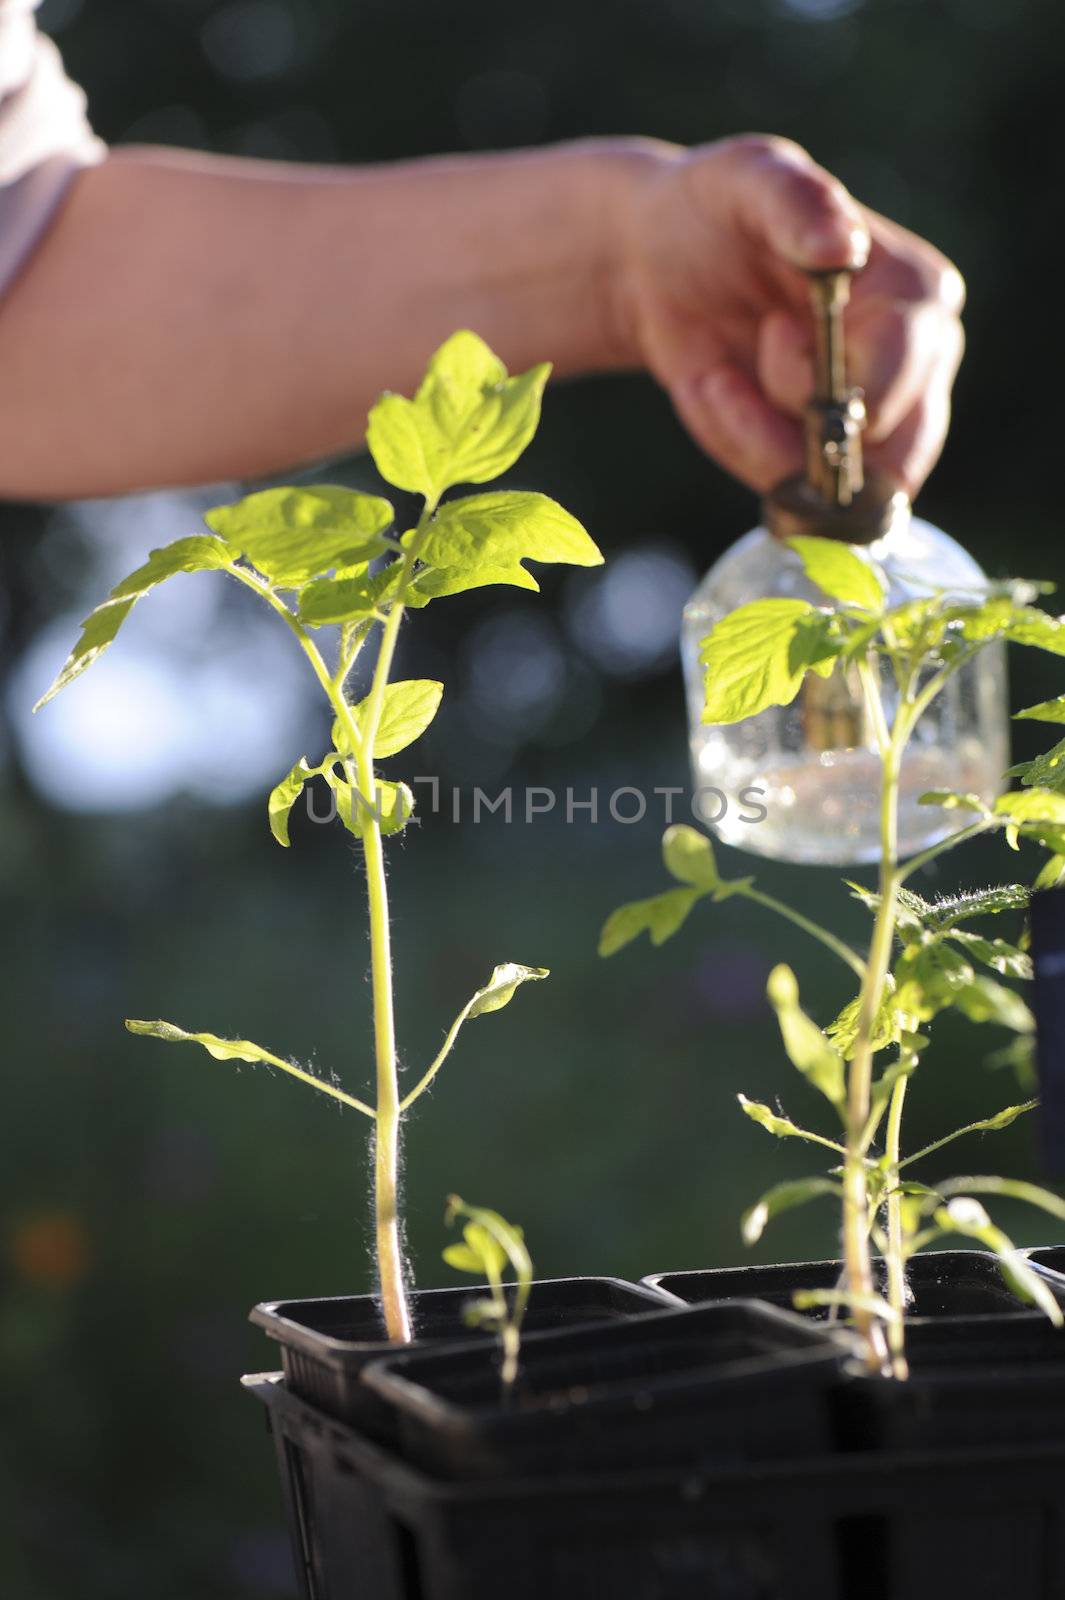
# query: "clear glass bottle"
(802, 782)
(814, 764)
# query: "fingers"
(778, 194)
(895, 351)
(912, 450)
(728, 415)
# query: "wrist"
(621, 172)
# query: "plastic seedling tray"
(728, 1382)
(985, 1523)
(325, 1344)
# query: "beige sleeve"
(45, 136)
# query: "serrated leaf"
(484, 539)
(467, 423)
(196, 554)
(840, 572)
(780, 1127)
(930, 975)
(783, 1197)
(1047, 770)
(998, 954)
(660, 916)
(758, 656)
(292, 535)
(844, 1030)
(284, 796)
(808, 1049)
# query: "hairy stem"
(896, 1251)
(856, 1218)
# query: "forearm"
(190, 318)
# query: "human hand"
(709, 295)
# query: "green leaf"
(811, 1299)
(1045, 711)
(814, 1055)
(780, 1127)
(840, 572)
(1032, 627)
(984, 1000)
(284, 797)
(950, 800)
(292, 535)
(997, 954)
(501, 987)
(462, 1258)
(329, 600)
(929, 976)
(408, 708)
(484, 538)
(1051, 874)
(968, 1217)
(467, 423)
(660, 916)
(196, 554)
(689, 857)
(1010, 1189)
(759, 654)
(241, 1050)
(783, 1197)
(844, 1030)
(1047, 769)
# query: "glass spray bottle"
(815, 761)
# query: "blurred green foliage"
(147, 1198)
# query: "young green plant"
(922, 958)
(489, 1245)
(328, 557)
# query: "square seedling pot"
(325, 1344)
(685, 1387)
(983, 1523)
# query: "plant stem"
(856, 1218)
(850, 957)
(896, 1252)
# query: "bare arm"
(190, 317)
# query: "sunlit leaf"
(408, 708)
(814, 1055)
(197, 554)
(844, 1030)
(758, 655)
(241, 1050)
(660, 916)
(484, 539)
(780, 1127)
(506, 979)
(467, 423)
(950, 800)
(1045, 711)
(967, 1216)
(840, 571)
(284, 797)
(292, 535)
(783, 1197)
(998, 954)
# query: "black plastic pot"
(944, 1283)
(983, 1523)
(1050, 1261)
(325, 1344)
(696, 1388)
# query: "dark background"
(149, 1196)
